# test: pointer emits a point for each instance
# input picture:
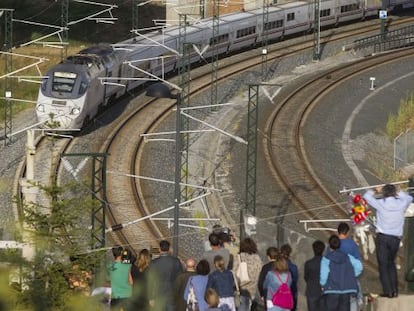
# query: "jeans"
(337, 302)
(387, 247)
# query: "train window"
(349, 7)
(246, 32)
(290, 16)
(219, 39)
(274, 24)
(325, 12)
(44, 83)
(63, 81)
(82, 88)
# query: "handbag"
(242, 273)
(236, 293)
(192, 304)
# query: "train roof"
(292, 4)
(100, 50)
(237, 16)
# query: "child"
(213, 300)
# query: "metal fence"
(404, 149)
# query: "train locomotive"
(72, 92)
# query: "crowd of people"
(216, 280)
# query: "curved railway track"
(286, 153)
(124, 143)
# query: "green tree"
(63, 265)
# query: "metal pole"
(177, 185)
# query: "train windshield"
(63, 81)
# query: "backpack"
(283, 297)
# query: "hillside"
(49, 12)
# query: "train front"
(62, 97)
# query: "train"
(72, 92)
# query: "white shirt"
(390, 212)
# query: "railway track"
(125, 145)
(286, 153)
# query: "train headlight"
(75, 110)
(40, 108)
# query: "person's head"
(389, 191)
(164, 246)
(286, 250)
(203, 267)
(214, 239)
(334, 242)
(280, 264)
(190, 264)
(144, 259)
(217, 229)
(343, 229)
(248, 246)
(272, 252)
(117, 251)
(224, 237)
(212, 298)
(318, 248)
(219, 263)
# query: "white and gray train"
(72, 91)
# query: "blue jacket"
(222, 282)
(339, 273)
(199, 283)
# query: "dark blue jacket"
(222, 282)
(339, 273)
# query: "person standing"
(222, 281)
(338, 277)
(198, 283)
(272, 253)
(140, 299)
(390, 211)
(121, 280)
(248, 253)
(274, 278)
(312, 272)
(286, 251)
(216, 249)
(164, 270)
(348, 246)
(180, 284)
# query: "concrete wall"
(401, 303)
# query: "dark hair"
(224, 237)
(164, 245)
(248, 246)
(318, 248)
(272, 252)
(334, 242)
(117, 250)
(286, 250)
(203, 267)
(343, 228)
(214, 239)
(389, 191)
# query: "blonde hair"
(219, 263)
(144, 259)
(280, 264)
(212, 298)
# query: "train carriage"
(274, 26)
(297, 19)
(77, 87)
(242, 28)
